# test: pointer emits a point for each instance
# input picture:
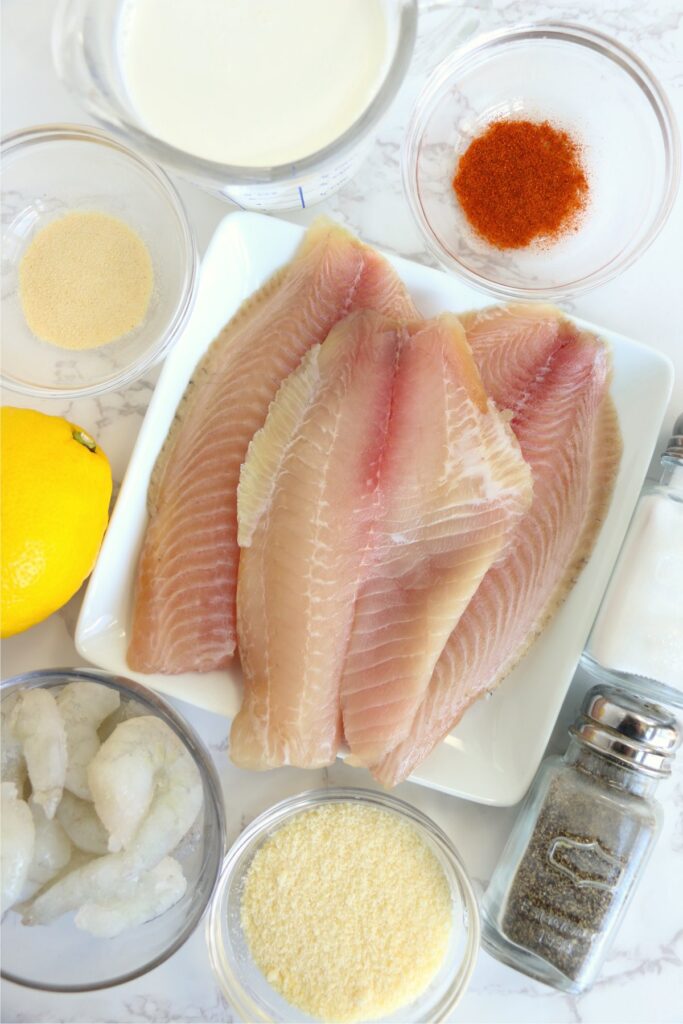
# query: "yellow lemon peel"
(56, 487)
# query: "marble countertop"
(642, 980)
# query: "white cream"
(251, 82)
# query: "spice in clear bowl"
(85, 280)
(521, 182)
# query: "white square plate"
(495, 750)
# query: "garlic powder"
(85, 280)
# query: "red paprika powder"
(521, 181)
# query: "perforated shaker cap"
(641, 735)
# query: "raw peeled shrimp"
(156, 892)
(83, 707)
(37, 724)
(16, 845)
(127, 709)
(142, 763)
(51, 851)
(30, 891)
(13, 766)
(79, 820)
(114, 876)
(174, 809)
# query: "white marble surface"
(643, 977)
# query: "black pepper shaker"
(580, 843)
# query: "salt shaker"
(581, 841)
(638, 631)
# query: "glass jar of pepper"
(580, 843)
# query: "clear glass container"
(638, 631)
(580, 843)
(85, 45)
(49, 171)
(615, 108)
(244, 986)
(85, 963)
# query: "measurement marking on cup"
(301, 197)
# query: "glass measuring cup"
(85, 51)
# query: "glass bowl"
(51, 170)
(85, 48)
(85, 963)
(244, 986)
(582, 81)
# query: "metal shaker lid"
(674, 449)
(639, 734)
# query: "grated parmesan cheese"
(347, 912)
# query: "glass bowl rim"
(210, 780)
(575, 34)
(284, 810)
(235, 174)
(19, 142)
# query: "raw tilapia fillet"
(305, 505)
(452, 488)
(555, 380)
(184, 604)
(379, 491)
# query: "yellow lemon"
(56, 487)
